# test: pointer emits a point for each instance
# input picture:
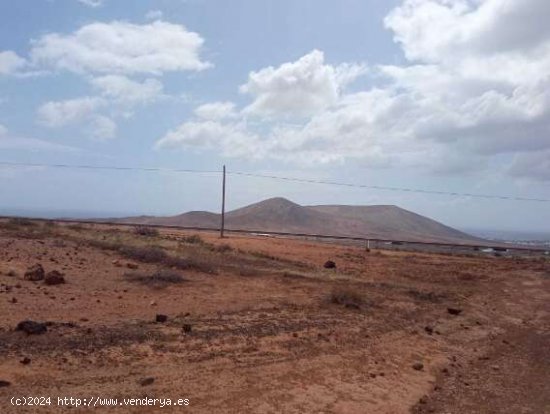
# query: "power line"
(275, 177)
(399, 189)
(98, 167)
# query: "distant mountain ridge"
(282, 215)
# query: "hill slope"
(282, 215)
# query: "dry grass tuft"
(160, 279)
(347, 297)
(146, 231)
(193, 239)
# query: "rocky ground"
(260, 325)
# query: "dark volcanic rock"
(54, 278)
(34, 273)
(454, 311)
(329, 264)
(161, 318)
(146, 381)
(4, 383)
(419, 366)
(31, 327)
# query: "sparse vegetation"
(146, 231)
(220, 248)
(146, 254)
(347, 297)
(425, 296)
(193, 239)
(159, 279)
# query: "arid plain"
(256, 324)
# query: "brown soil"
(259, 325)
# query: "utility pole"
(222, 226)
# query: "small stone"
(13, 300)
(152, 303)
(146, 381)
(161, 318)
(132, 266)
(34, 273)
(418, 366)
(187, 328)
(454, 311)
(329, 264)
(31, 327)
(54, 278)
(25, 361)
(429, 330)
(4, 383)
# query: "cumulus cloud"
(81, 111)
(121, 48)
(231, 139)
(475, 86)
(126, 91)
(154, 15)
(102, 127)
(298, 88)
(216, 110)
(92, 3)
(60, 113)
(10, 62)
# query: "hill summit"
(281, 215)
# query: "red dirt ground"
(265, 334)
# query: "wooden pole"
(222, 226)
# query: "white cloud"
(121, 48)
(232, 139)
(126, 91)
(60, 113)
(475, 90)
(298, 88)
(154, 14)
(216, 110)
(102, 127)
(83, 112)
(10, 62)
(92, 3)
(433, 30)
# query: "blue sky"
(430, 94)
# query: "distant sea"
(61, 213)
(511, 235)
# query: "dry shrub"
(159, 279)
(262, 255)
(193, 239)
(146, 231)
(425, 296)
(347, 297)
(146, 254)
(220, 248)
